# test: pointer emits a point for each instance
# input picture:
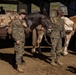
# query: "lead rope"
(46, 40)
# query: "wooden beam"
(37, 47)
(24, 5)
(8, 2)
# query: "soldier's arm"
(24, 24)
(63, 30)
(15, 33)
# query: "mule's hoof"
(33, 50)
(38, 52)
(65, 53)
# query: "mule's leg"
(34, 37)
(39, 39)
(67, 40)
(65, 52)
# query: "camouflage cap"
(22, 11)
(59, 10)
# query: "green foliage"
(9, 6)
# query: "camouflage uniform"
(18, 35)
(56, 37)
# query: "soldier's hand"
(17, 42)
(24, 24)
(29, 29)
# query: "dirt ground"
(37, 64)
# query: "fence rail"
(37, 46)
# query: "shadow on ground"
(10, 58)
(71, 69)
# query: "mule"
(70, 26)
(35, 19)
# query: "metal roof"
(15, 1)
(9, 1)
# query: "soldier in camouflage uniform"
(56, 37)
(19, 36)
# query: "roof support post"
(24, 5)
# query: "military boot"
(22, 61)
(53, 58)
(53, 62)
(59, 62)
(20, 68)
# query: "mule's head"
(47, 24)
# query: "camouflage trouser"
(56, 48)
(19, 51)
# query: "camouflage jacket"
(18, 30)
(58, 27)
